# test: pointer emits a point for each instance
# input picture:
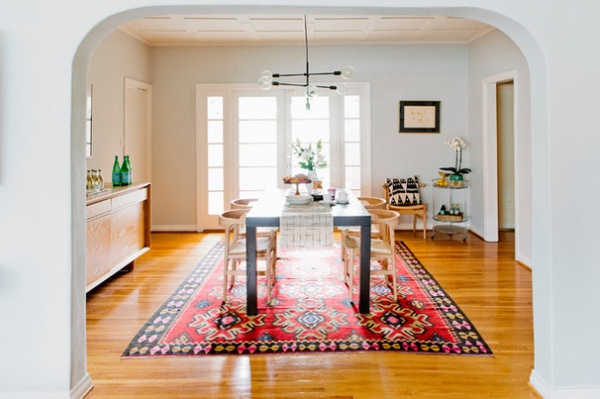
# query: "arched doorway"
(92, 40)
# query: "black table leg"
(251, 291)
(365, 269)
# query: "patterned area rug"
(311, 312)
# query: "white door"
(138, 96)
(243, 138)
(506, 169)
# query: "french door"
(243, 138)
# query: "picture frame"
(419, 117)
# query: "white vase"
(312, 175)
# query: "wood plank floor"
(483, 278)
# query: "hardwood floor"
(483, 278)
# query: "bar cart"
(450, 208)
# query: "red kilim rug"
(311, 312)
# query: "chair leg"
(345, 262)
(414, 224)
(394, 278)
(268, 272)
(234, 264)
(343, 251)
(350, 260)
(271, 273)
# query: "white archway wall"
(562, 252)
(496, 58)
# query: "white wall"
(395, 72)
(491, 55)
(118, 56)
(42, 123)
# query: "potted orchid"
(457, 144)
(311, 157)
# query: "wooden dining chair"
(235, 250)
(248, 203)
(242, 203)
(382, 249)
(367, 203)
(403, 196)
(372, 202)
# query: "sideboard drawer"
(130, 198)
(97, 209)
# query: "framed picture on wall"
(419, 117)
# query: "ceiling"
(203, 30)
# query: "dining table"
(267, 212)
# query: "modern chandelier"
(266, 80)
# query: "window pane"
(258, 132)
(258, 108)
(258, 179)
(215, 131)
(319, 108)
(258, 155)
(353, 178)
(215, 155)
(215, 179)
(351, 107)
(215, 107)
(310, 131)
(215, 203)
(352, 154)
(352, 130)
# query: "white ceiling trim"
(223, 30)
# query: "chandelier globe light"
(265, 82)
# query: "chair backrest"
(387, 222)
(242, 203)
(373, 202)
(232, 221)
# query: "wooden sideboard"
(117, 231)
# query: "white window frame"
(230, 92)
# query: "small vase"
(312, 175)
(456, 177)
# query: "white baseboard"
(575, 393)
(82, 388)
(78, 392)
(476, 230)
(179, 228)
(539, 384)
(544, 389)
(524, 260)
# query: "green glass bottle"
(126, 175)
(116, 173)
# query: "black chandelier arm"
(289, 84)
(281, 75)
(266, 80)
(327, 87)
(334, 73)
(303, 85)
